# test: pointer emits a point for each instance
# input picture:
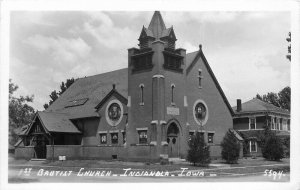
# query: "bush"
(198, 152)
(286, 147)
(230, 148)
(273, 148)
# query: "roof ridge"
(125, 68)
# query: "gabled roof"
(115, 93)
(256, 105)
(95, 88)
(54, 122)
(191, 60)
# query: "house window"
(124, 137)
(272, 123)
(277, 123)
(142, 137)
(280, 124)
(253, 146)
(252, 123)
(284, 125)
(114, 138)
(172, 92)
(142, 94)
(103, 138)
(210, 137)
(200, 78)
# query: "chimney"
(238, 105)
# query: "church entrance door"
(173, 140)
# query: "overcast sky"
(246, 50)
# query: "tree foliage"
(230, 148)
(198, 152)
(281, 99)
(289, 39)
(63, 87)
(20, 112)
(273, 148)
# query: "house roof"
(256, 105)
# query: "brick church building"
(144, 112)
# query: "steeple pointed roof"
(157, 25)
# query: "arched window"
(172, 93)
(200, 78)
(142, 94)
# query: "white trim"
(158, 76)
(185, 104)
(255, 146)
(192, 131)
(102, 132)
(187, 124)
(173, 85)
(109, 121)
(210, 131)
(113, 131)
(153, 143)
(249, 129)
(164, 143)
(142, 129)
(142, 85)
(154, 122)
(250, 123)
(162, 122)
(129, 101)
(206, 117)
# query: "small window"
(142, 137)
(172, 93)
(191, 134)
(210, 137)
(114, 138)
(252, 123)
(253, 146)
(124, 137)
(142, 94)
(200, 78)
(103, 138)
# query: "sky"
(246, 50)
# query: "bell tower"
(148, 88)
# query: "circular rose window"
(200, 112)
(114, 112)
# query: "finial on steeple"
(114, 86)
(200, 46)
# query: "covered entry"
(173, 140)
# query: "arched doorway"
(173, 140)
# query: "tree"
(20, 112)
(63, 87)
(230, 148)
(281, 99)
(289, 39)
(198, 152)
(273, 148)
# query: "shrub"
(230, 148)
(198, 152)
(273, 148)
(286, 147)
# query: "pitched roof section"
(94, 88)
(54, 122)
(57, 122)
(191, 60)
(157, 25)
(256, 105)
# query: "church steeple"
(157, 25)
